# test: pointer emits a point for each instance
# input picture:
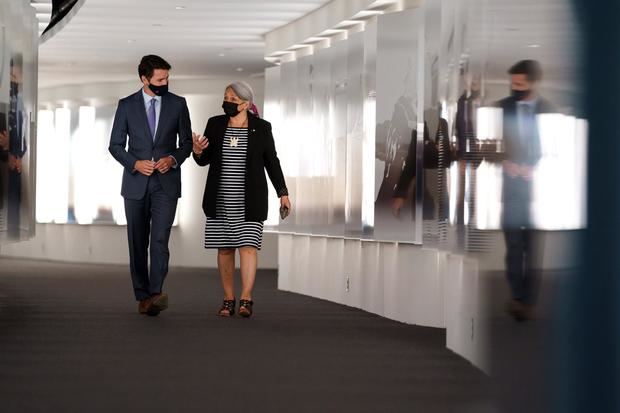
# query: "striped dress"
(229, 229)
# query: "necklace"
(234, 142)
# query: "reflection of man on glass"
(524, 248)
(16, 146)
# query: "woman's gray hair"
(243, 90)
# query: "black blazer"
(130, 124)
(261, 156)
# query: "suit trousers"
(524, 262)
(149, 219)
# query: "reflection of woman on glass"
(239, 147)
(430, 160)
(393, 138)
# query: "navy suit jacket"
(521, 149)
(130, 123)
(524, 150)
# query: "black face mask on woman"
(230, 109)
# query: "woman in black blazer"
(239, 147)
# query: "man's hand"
(527, 172)
(199, 143)
(15, 164)
(4, 140)
(512, 169)
(145, 167)
(165, 163)
(397, 205)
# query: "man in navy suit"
(144, 141)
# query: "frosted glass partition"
(369, 160)
(395, 133)
(399, 124)
(355, 133)
(18, 114)
(338, 126)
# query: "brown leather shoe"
(520, 311)
(144, 306)
(159, 302)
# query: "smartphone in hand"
(283, 212)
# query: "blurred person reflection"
(431, 160)
(465, 131)
(524, 245)
(392, 147)
(17, 146)
(465, 125)
(238, 146)
(4, 158)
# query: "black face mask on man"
(158, 90)
(230, 108)
(519, 94)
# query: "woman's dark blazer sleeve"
(408, 172)
(272, 163)
(206, 155)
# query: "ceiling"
(106, 39)
(44, 13)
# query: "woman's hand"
(285, 202)
(199, 143)
(397, 205)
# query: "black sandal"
(245, 308)
(227, 305)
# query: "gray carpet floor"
(71, 340)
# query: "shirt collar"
(147, 98)
(532, 103)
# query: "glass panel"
(398, 111)
(18, 97)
